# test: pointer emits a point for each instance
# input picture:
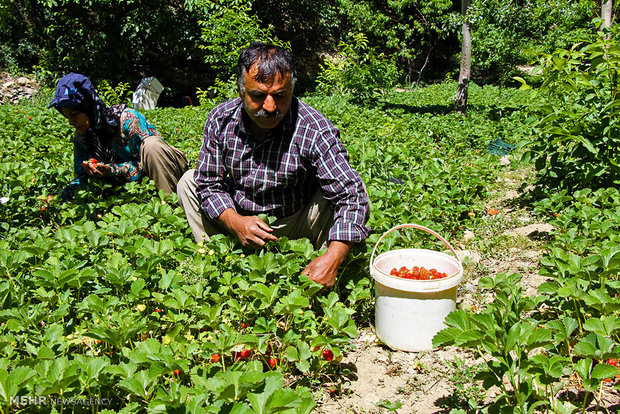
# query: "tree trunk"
(607, 8)
(461, 92)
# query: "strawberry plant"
(109, 297)
(504, 339)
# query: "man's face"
(266, 103)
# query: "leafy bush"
(357, 69)
(419, 35)
(229, 27)
(508, 33)
(119, 41)
(577, 135)
(114, 95)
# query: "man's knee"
(148, 148)
(186, 187)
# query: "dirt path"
(425, 382)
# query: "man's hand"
(251, 230)
(97, 170)
(324, 269)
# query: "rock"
(532, 254)
(367, 338)
(383, 360)
(473, 257)
(534, 229)
(468, 235)
(12, 90)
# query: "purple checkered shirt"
(279, 175)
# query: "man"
(266, 152)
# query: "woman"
(113, 143)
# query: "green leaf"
(446, 337)
(563, 328)
(604, 371)
(390, 405)
(291, 353)
(583, 367)
(458, 319)
(137, 286)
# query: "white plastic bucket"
(408, 313)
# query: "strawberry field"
(108, 305)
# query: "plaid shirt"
(278, 175)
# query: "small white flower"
(4, 200)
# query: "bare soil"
(425, 382)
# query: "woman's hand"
(96, 170)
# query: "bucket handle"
(415, 226)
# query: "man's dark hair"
(270, 60)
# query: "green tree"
(113, 39)
(227, 28)
(506, 33)
(417, 33)
(357, 69)
(465, 73)
(577, 131)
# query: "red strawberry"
(273, 362)
(215, 357)
(328, 355)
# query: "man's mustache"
(261, 113)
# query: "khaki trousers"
(162, 163)
(313, 221)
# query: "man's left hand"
(324, 268)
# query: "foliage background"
(189, 44)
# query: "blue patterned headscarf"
(76, 91)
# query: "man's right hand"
(251, 230)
